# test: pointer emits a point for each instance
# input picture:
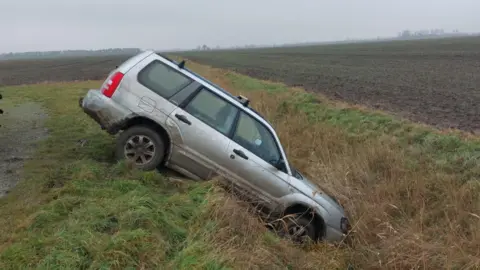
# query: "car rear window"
(162, 79)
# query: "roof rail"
(242, 99)
(181, 64)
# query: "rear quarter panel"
(138, 98)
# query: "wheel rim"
(139, 149)
(297, 232)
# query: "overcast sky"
(31, 25)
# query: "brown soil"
(22, 127)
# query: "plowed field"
(432, 81)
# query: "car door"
(200, 128)
(250, 155)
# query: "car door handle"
(183, 118)
(240, 153)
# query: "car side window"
(256, 138)
(213, 111)
(162, 79)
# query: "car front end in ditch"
(337, 227)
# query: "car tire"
(141, 146)
(299, 228)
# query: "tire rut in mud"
(21, 129)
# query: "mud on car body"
(167, 115)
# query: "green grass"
(78, 209)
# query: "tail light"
(112, 84)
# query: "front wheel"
(299, 228)
(141, 146)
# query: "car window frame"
(183, 95)
(237, 121)
(157, 61)
(188, 100)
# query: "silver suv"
(167, 115)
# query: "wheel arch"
(319, 223)
(144, 121)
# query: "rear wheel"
(141, 146)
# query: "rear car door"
(250, 156)
(200, 127)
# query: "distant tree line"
(69, 53)
(207, 48)
(429, 33)
(403, 35)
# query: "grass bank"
(412, 192)
(77, 209)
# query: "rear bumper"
(108, 114)
(90, 113)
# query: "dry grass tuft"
(408, 213)
(244, 241)
(405, 216)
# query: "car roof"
(211, 83)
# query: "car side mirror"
(280, 165)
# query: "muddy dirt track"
(22, 127)
(430, 81)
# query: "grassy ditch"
(412, 192)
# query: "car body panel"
(198, 147)
(105, 111)
(254, 175)
(142, 100)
